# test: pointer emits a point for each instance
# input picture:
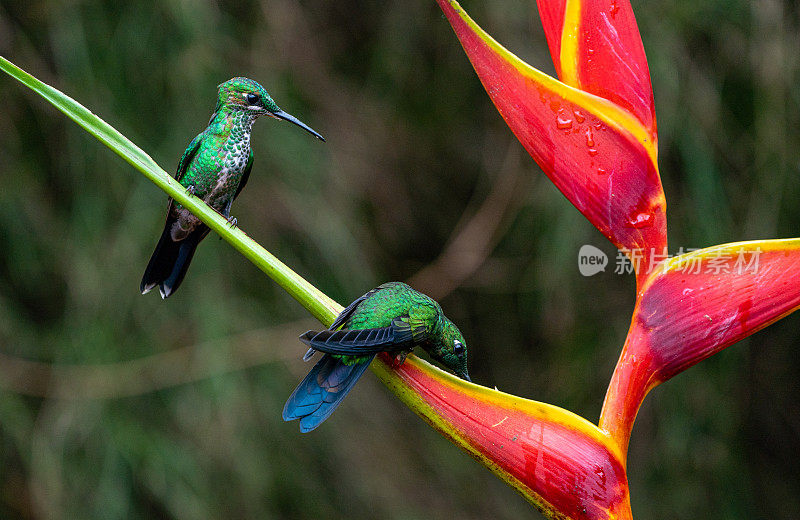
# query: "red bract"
(594, 135)
(556, 459)
(596, 151)
(696, 305)
(596, 47)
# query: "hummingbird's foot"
(232, 221)
(399, 359)
(190, 189)
(309, 354)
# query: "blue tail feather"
(322, 390)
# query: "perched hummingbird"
(390, 318)
(215, 167)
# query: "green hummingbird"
(215, 167)
(390, 318)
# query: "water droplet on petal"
(592, 151)
(563, 123)
(579, 117)
(641, 220)
(600, 473)
(687, 291)
(601, 171)
(589, 137)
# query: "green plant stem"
(315, 301)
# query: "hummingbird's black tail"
(170, 260)
(325, 386)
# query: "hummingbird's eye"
(458, 348)
(252, 99)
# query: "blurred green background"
(114, 405)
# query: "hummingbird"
(215, 167)
(390, 318)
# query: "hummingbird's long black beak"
(280, 114)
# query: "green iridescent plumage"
(215, 167)
(391, 318)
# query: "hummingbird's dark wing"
(188, 155)
(245, 175)
(322, 390)
(399, 336)
(340, 319)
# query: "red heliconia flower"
(594, 135)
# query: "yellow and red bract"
(696, 305)
(596, 47)
(562, 463)
(594, 149)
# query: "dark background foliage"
(115, 405)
